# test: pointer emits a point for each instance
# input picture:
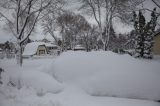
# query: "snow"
(39, 80)
(81, 79)
(109, 74)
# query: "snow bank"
(109, 74)
(32, 74)
(10, 96)
(40, 81)
(35, 74)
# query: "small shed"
(34, 48)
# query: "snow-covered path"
(81, 75)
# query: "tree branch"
(156, 3)
(31, 28)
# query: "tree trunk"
(19, 54)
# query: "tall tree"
(94, 7)
(23, 16)
(49, 22)
(149, 35)
(71, 25)
(108, 10)
(144, 34)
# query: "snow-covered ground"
(81, 79)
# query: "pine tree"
(144, 34)
(139, 23)
(149, 35)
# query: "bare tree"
(71, 25)
(111, 9)
(89, 38)
(22, 12)
(95, 8)
(51, 14)
(157, 3)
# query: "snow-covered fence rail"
(7, 55)
(10, 55)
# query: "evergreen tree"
(149, 35)
(139, 22)
(144, 34)
(141, 33)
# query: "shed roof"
(31, 48)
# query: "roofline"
(156, 34)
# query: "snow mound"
(40, 81)
(108, 74)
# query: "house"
(52, 48)
(156, 46)
(79, 48)
(39, 49)
(34, 48)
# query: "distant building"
(34, 48)
(79, 48)
(52, 48)
(38, 49)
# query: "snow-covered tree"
(104, 11)
(21, 18)
(144, 34)
(139, 24)
(149, 35)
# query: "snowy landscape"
(79, 53)
(96, 78)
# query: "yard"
(81, 79)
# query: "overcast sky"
(73, 5)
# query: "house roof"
(157, 34)
(31, 48)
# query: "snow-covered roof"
(31, 48)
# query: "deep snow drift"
(109, 74)
(81, 79)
